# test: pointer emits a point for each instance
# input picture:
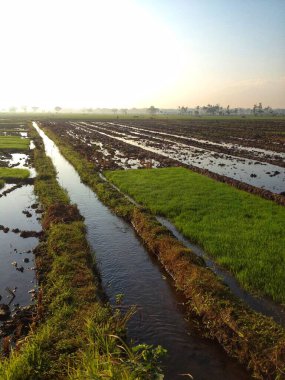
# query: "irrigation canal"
(127, 268)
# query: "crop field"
(248, 151)
(243, 232)
(19, 227)
(13, 143)
(10, 173)
(12, 127)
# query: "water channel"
(126, 267)
(262, 305)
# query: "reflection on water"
(261, 305)
(127, 268)
(16, 258)
(259, 174)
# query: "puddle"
(16, 258)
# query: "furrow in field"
(262, 175)
(258, 152)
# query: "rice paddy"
(243, 232)
(14, 143)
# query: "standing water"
(17, 267)
(127, 268)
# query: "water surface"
(127, 268)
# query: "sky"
(137, 53)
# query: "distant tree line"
(217, 110)
(205, 110)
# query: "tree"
(35, 109)
(197, 111)
(268, 110)
(182, 110)
(124, 111)
(152, 110)
(257, 109)
(114, 110)
(228, 111)
(57, 109)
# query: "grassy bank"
(255, 340)
(14, 143)
(73, 335)
(11, 173)
(241, 231)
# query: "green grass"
(14, 143)
(11, 173)
(74, 334)
(241, 231)
(2, 183)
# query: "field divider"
(255, 340)
(74, 334)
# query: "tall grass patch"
(241, 231)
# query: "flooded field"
(103, 151)
(126, 268)
(148, 143)
(19, 226)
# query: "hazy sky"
(135, 53)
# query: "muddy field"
(86, 138)
(19, 233)
(248, 151)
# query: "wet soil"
(264, 134)
(127, 268)
(148, 143)
(19, 235)
(17, 267)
